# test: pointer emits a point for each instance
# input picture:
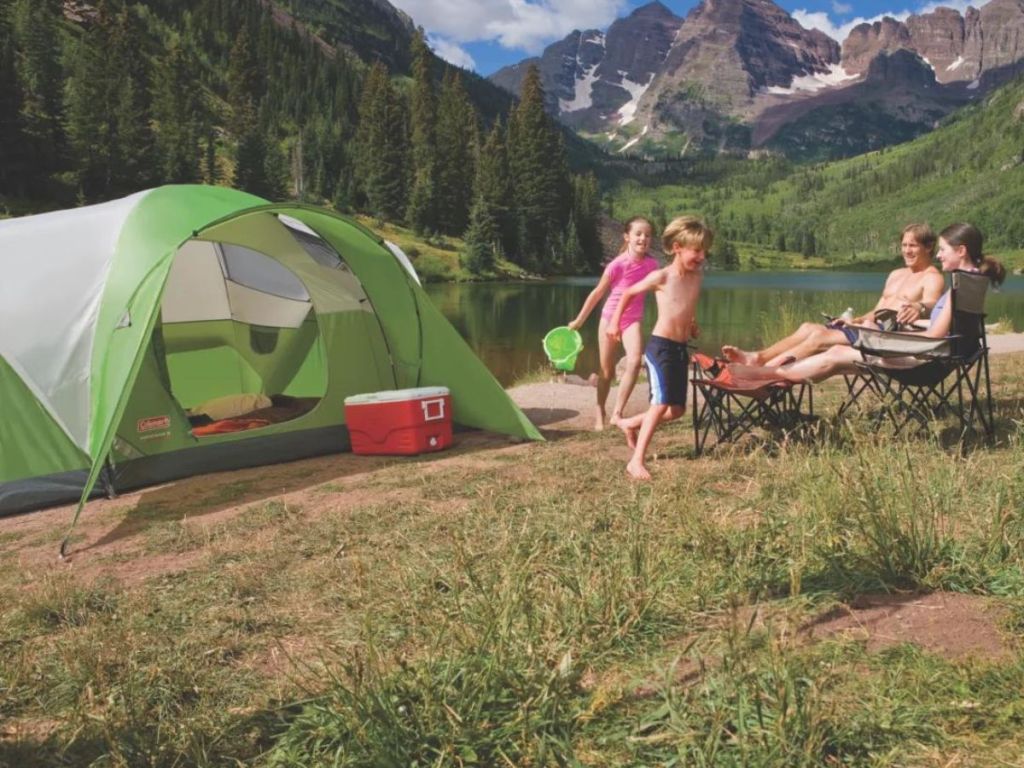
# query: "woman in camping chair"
(960, 248)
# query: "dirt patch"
(950, 625)
(570, 405)
(160, 530)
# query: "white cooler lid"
(394, 395)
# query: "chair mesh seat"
(730, 406)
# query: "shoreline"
(569, 406)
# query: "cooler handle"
(428, 404)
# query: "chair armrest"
(902, 343)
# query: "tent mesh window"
(261, 273)
(318, 250)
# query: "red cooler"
(400, 422)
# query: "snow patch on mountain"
(583, 95)
(627, 112)
(813, 82)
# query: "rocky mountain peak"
(866, 41)
(590, 75)
(959, 48)
(756, 36)
(901, 66)
(654, 10)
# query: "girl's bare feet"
(599, 420)
(636, 470)
(737, 355)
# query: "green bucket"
(563, 345)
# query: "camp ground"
(135, 332)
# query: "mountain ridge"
(737, 72)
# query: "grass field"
(437, 259)
(847, 600)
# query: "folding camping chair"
(731, 407)
(953, 374)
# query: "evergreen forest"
(97, 102)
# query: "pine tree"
(89, 109)
(134, 150)
(177, 111)
(725, 255)
(480, 239)
(571, 251)
(211, 168)
(108, 110)
(456, 140)
(12, 171)
(809, 246)
(537, 164)
(422, 211)
(275, 168)
(382, 146)
(245, 85)
(586, 210)
(492, 187)
(35, 30)
(260, 166)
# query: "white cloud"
(841, 8)
(451, 52)
(839, 32)
(959, 5)
(512, 23)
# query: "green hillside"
(970, 168)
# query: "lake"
(505, 322)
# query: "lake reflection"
(505, 322)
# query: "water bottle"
(847, 316)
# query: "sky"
(486, 35)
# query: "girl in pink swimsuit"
(628, 268)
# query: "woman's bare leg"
(633, 342)
(607, 349)
(817, 340)
(831, 362)
(779, 348)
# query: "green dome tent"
(119, 321)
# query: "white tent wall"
(49, 305)
(197, 290)
(195, 287)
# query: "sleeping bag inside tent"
(191, 329)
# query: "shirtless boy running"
(676, 288)
(911, 290)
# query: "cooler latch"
(433, 410)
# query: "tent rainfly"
(125, 325)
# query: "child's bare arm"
(591, 301)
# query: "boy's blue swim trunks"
(668, 363)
